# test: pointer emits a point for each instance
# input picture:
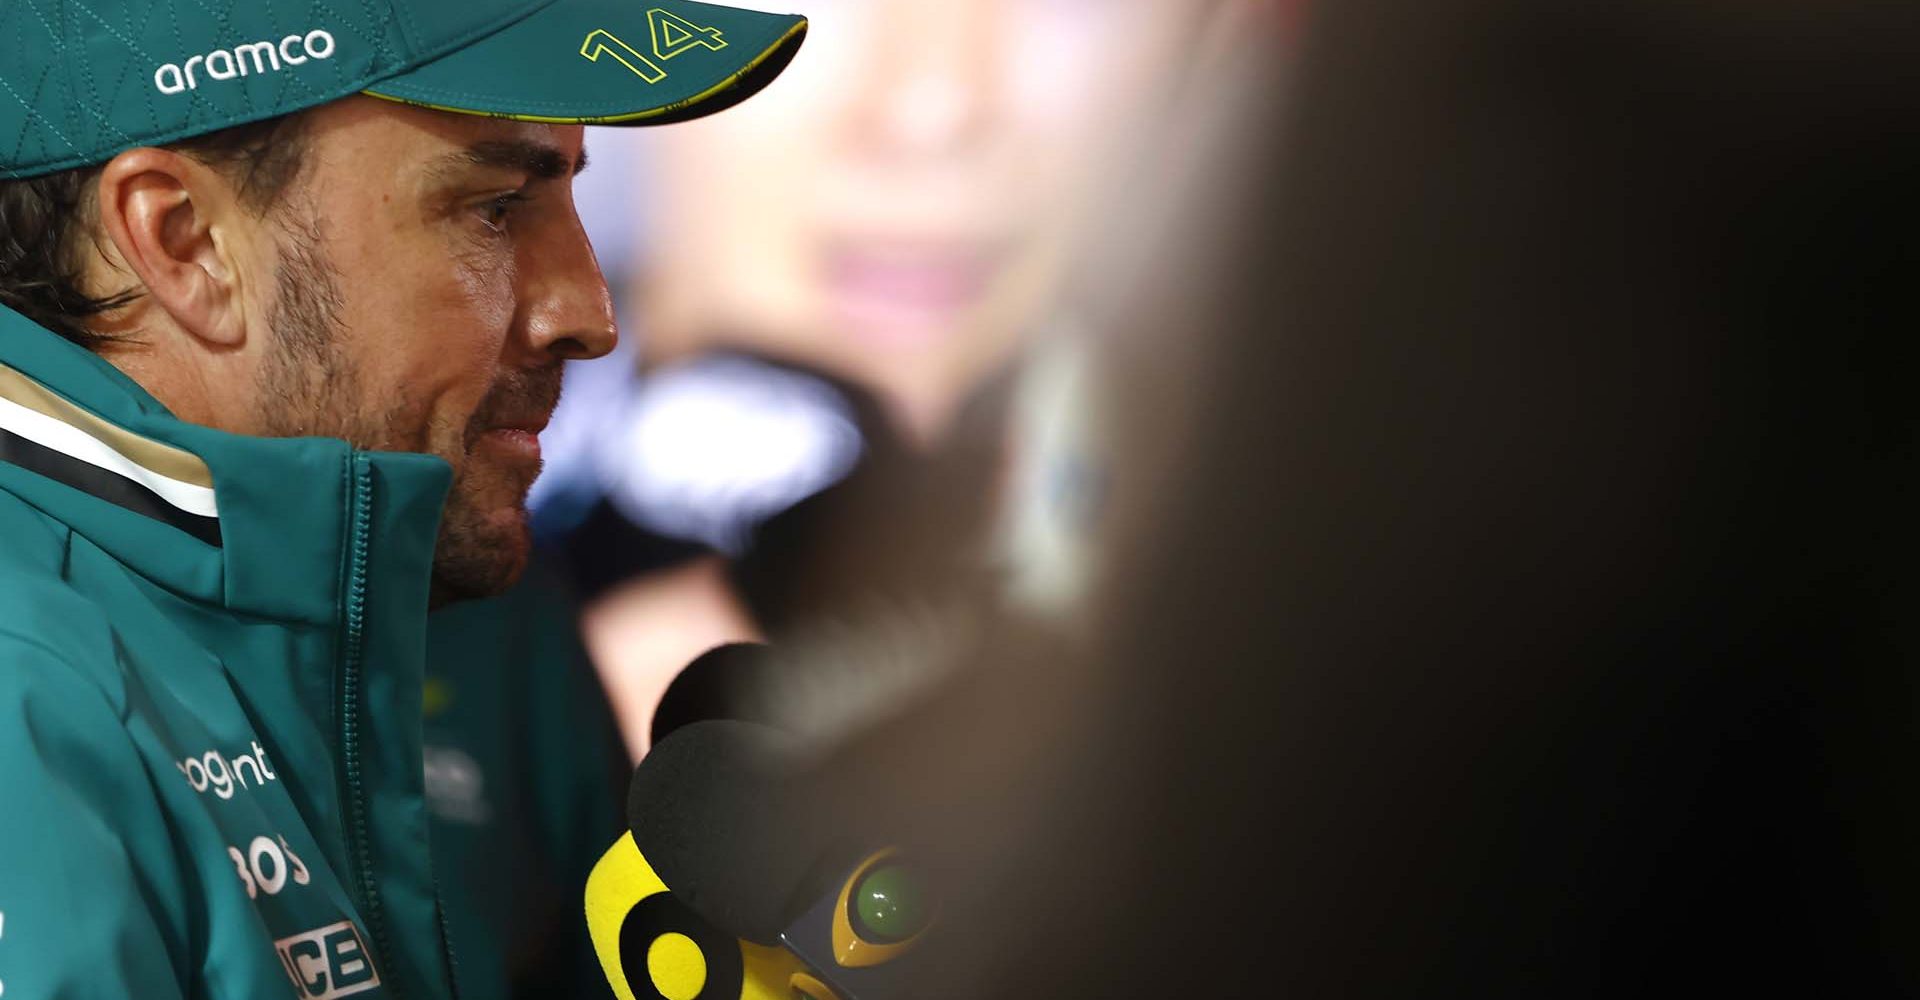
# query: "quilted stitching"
(126, 66)
(126, 38)
(195, 103)
(25, 128)
(288, 81)
(94, 104)
(409, 28)
(226, 31)
(6, 31)
(70, 103)
(146, 96)
(379, 37)
(64, 70)
(35, 9)
(32, 105)
(120, 37)
(330, 14)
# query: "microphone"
(733, 882)
(829, 680)
(725, 682)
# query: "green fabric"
(609, 62)
(526, 782)
(129, 648)
(81, 80)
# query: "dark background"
(1532, 613)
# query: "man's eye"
(495, 211)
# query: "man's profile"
(284, 296)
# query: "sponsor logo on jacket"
(210, 770)
(328, 962)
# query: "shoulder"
(67, 754)
(52, 636)
(36, 543)
(89, 871)
(49, 695)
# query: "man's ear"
(165, 214)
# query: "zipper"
(359, 843)
(359, 849)
(446, 939)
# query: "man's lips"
(518, 435)
(531, 425)
(512, 416)
(519, 442)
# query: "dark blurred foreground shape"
(1528, 608)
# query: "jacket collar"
(256, 525)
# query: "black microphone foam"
(721, 811)
(724, 682)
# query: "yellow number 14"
(672, 35)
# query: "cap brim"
(608, 62)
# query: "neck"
(188, 390)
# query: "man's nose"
(568, 312)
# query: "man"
(281, 285)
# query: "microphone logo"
(654, 947)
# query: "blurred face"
(431, 275)
(895, 208)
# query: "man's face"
(431, 275)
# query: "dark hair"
(47, 223)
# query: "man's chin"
(478, 559)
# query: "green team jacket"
(526, 789)
(211, 655)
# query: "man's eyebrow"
(539, 159)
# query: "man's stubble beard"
(311, 385)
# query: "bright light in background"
(717, 445)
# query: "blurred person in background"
(835, 334)
(1521, 604)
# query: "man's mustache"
(519, 399)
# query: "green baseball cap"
(82, 80)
